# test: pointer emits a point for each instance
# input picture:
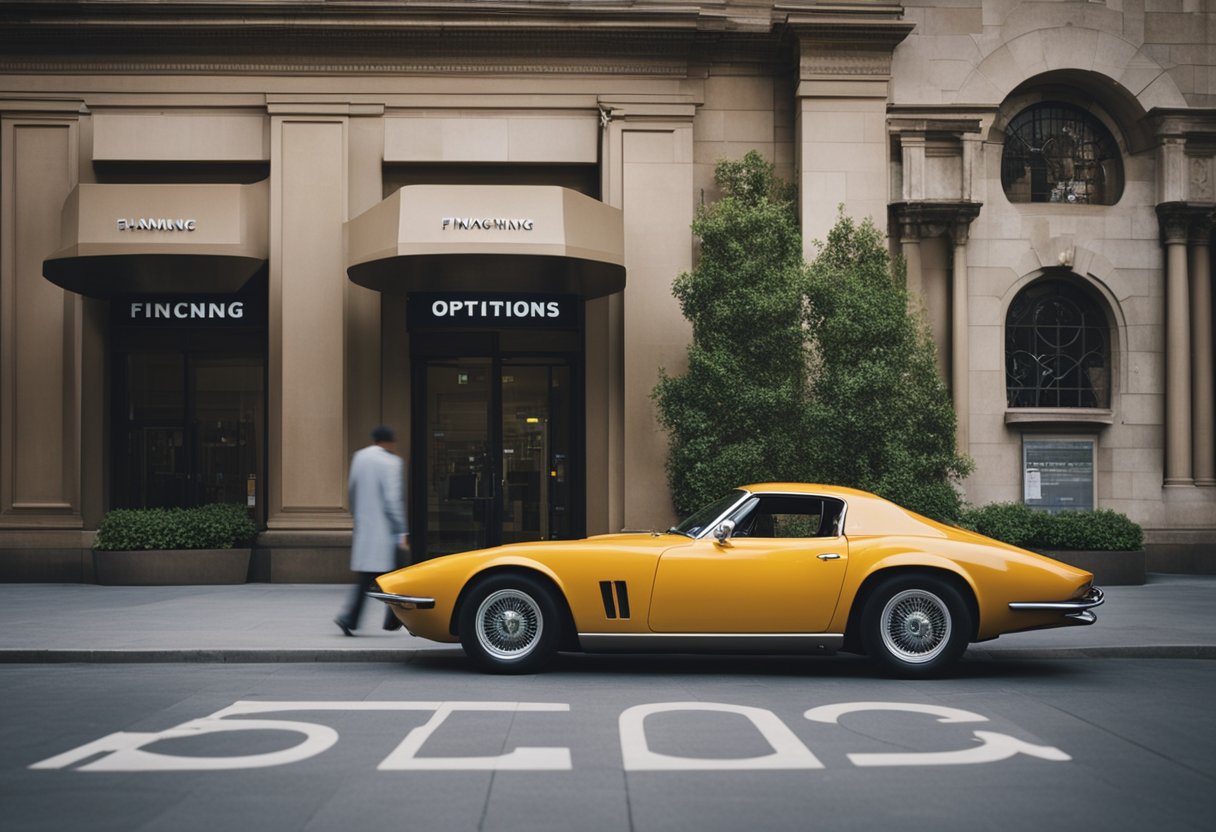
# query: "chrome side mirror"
(724, 531)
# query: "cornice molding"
(450, 37)
(926, 218)
(846, 40)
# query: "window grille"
(1060, 153)
(1057, 348)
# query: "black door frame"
(426, 347)
(191, 339)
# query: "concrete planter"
(1109, 568)
(168, 567)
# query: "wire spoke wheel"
(916, 626)
(509, 624)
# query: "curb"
(400, 656)
(203, 656)
(1165, 651)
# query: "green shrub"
(214, 526)
(1100, 530)
(1096, 530)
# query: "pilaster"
(648, 171)
(844, 73)
(308, 430)
(40, 324)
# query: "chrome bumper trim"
(771, 643)
(1088, 601)
(409, 602)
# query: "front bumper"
(1077, 610)
(405, 602)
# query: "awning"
(474, 238)
(161, 239)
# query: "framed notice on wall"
(1058, 474)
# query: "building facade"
(234, 237)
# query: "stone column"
(960, 363)
(909, 241)
(1203, 403)
(1178, 471)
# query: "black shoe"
(344, 627)
(393, 623)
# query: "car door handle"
(829, 556)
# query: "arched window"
(1057, 348)
(1056, 152)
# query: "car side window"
(788, 516)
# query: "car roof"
(867, 513)
(820, 489)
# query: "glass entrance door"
(497, 453)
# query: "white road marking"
(788, 750)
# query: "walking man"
(377, 502)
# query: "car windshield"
(698, 519)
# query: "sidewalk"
(1171, 616)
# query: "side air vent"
(616, 598)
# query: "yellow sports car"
(773, 568)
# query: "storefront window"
(189, 400)
(1057, 348)
(1057, 152)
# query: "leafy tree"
(734, 416)
(815, 374)
(878, 416)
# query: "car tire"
(510, 624)
(915, 626)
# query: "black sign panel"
(492, 311)
(243, 310)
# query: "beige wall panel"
(732, 92)
(658, 204)
(308, 292)
(572, 139)
(363, 342)
(844, 158)
(202, 137)
(445, 140)
(40, 326)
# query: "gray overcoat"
(378, 504)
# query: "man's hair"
(383, 433)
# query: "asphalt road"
(609, 743)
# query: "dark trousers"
(354, 607)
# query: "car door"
(781, 573)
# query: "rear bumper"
(407, 602)
(1077, 609)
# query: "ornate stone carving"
(846, 41)
(1201, 228)
(1199, 186)
(922, 220)
(1175, 219)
